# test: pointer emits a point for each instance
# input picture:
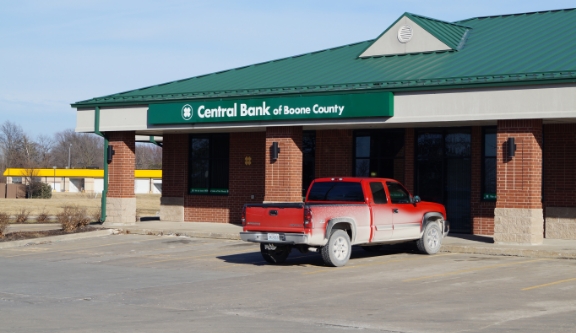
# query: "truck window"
(336, 191)
(397, 193)
(378, 193)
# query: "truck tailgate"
(276, 217)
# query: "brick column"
(121, 201)
(283, 180)
(560, 181)
(333, 153)
(174, 176)
(518, 217)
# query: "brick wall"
(482, 212)
(519, 179)
(175, 165)
(121, 169)
(333, 153)
(245, 180)
(283, 182)
(559, 165)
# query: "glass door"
(443, 172)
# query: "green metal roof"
(450, 34)
(527, 48)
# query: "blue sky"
(54, 53)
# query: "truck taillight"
(243, 215)
(307, 217)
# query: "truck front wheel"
(337, 252)
(431, 239)
(274, 253)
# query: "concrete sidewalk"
(471, 244)
(455, 243)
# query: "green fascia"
(447, 84)
(430, 84)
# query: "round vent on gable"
(405, 34)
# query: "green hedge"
(39, 190)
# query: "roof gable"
(416, 34)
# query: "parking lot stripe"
(471, 270)
(549, 284)
(330, 269)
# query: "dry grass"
(42, 216)
(73, 217)
(4, 221)
(147, 204)
(22, 215)
(95, 215)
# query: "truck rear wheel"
(337, 252)
(431, 239)
(274, 253)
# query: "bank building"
(477, 114)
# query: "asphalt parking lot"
(132, 283)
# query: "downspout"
(105, 191)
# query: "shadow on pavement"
(476, 238)
(297, 258)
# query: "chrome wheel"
(433, 238)
(337, 251)
(340, 248)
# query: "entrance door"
(443, 172)
(381, 213)
(405, 214)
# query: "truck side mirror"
(416, 199)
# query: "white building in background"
(83, 180)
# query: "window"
(378, 193)
(489, 164)
(379, 153)
(397, 193)
(209, 164)
(308, 159)
(336, 191)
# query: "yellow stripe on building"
(74, 173)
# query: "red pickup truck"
(341, 212)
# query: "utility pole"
(69, 155)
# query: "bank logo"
(187, 112)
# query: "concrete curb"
(55, 239)
(166, 232)
(507, 251)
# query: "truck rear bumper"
(285, 238)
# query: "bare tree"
(86, 149)
(148, 156)
(12, 138)
(18, 150)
